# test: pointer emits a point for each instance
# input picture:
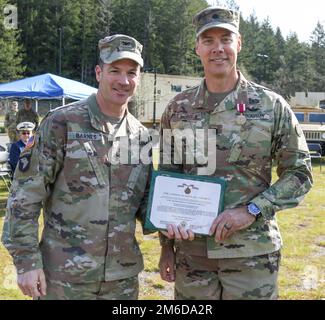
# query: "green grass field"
(303, 254)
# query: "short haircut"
(101, 62)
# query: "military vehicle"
(312, 120)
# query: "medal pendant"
(241, 119)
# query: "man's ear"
(98, 71)
(196, 47)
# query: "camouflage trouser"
(125, 289)
(253, 278)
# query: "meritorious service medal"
(241, 119)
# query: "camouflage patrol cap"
(216, 17)
(118, 47)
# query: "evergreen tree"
(318, 56)
(280, 42)
(291, 76)
(247, 58)
(175, 39)
(37, 19)
(104, 18)
(11, 55)
(62, 36)
(266, 54)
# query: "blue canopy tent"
(46, 86)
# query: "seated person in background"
(25, 130)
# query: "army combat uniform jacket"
(10, 120)
(10, 124)
(28, 115)
(90, 203)
(244, 154)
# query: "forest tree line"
(61, 37)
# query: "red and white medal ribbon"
(241, 108)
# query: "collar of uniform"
(101, 122)
(132, 124)
(200, 96)
(98, 119)
(122, 131)
(236, 96)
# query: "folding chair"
(315, 151)
(5, 170)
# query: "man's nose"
(123, 79)
(218, 47)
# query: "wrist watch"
(254, 210)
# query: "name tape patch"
(84, 136)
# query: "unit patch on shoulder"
(24, 162)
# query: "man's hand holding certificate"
(189, 202)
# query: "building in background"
(144, 108)
(309, 109)
(308, 99)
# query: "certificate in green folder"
(192, 202)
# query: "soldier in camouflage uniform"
(91, 195)
(253, 126)
(10, 122)
(27, 114)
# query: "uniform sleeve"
(6, 122)
(142, 211)
(18, 117)
(291, 157)
(36, 171)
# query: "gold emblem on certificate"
(187, 188)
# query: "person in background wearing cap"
(27, 114)
(10, 122)
(253, 127)
(25, 130)
(91, 197)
